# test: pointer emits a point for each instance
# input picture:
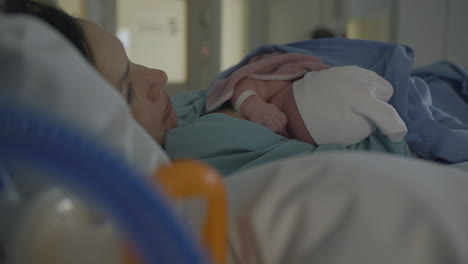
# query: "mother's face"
(142, 87)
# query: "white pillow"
(41, 70)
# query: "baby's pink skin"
(273, 106)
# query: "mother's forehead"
(108, 52)
(97, 36)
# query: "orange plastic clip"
(186, 179)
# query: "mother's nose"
(160, 76)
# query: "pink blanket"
(273, 66)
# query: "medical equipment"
(83, 165)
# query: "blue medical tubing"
(85, 165)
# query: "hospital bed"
(330, 208)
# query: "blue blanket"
(437, 125)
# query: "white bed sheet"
(462, 165)
(349, 208)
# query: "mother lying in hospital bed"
(330, 208)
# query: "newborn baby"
(321, 105)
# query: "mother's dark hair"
(55, 17)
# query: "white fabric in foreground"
(343, 105)
(39, 69)
(461, 165)
(349, 208)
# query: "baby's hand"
(270, 116)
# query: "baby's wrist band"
(241, 99)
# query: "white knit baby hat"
(343, 105)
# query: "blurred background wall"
(193, 40)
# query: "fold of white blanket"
(349, 208)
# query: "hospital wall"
(435, 29)
(218, 33)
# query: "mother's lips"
(168, 110)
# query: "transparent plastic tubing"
(83, 164)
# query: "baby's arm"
(250, 99)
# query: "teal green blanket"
(230, 144)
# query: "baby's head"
(344, 105)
